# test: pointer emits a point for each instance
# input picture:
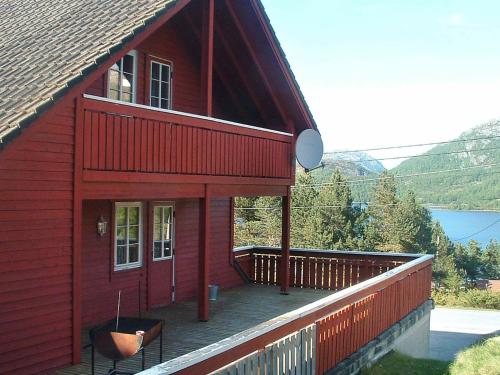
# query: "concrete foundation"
(415, 340)
(410, 336)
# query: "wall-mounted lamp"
(102, 226)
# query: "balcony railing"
(316, 337)
(122, 137)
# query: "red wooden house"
(144, 118)
(126, 129)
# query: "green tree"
(490, 261)
(444, 271)
(360, 223)
(248, 233)
(268, 213)
(332, 219)
(412, 226)
(468, 259)
(242, 203)
(304, 197)
(380, 232)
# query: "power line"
(462, 175)
(362, 180)
(479, 231)
(319, 206)
(423, 155)
(358, 203)
(370, 184)
(414, 145)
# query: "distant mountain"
(472, 187)
(351, 164)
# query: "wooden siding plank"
(182, 148)
(123, 142)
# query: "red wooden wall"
(101, 284)
(36, 182)
(166, 44)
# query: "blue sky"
(385, 72)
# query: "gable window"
(122, 78)
(160, 95)
(128, 230)
(163, 232)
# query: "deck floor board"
(234, 311)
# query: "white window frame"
(172, 240)
(128, 265)
(132, 53)
(171, 67)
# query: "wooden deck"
(235, 310)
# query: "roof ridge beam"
(251, 48)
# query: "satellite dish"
(309, 148)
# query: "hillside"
(475, 188)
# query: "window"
(160, 85)
(128, 229)
(162, 232)
(122, 77)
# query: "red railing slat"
(121, 138)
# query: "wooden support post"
(231, 230)
(77, 234)
(204, 256)
(285, 241)
(207, 56)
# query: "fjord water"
(463, 226)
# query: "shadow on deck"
(235, 310)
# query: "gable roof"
(47, 46)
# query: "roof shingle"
(45, 45)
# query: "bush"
(480, 359)
(475, 298)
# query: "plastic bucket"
(212, 292)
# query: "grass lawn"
(482, 358)
(396, 363)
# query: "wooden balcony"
(315, 327)
(136, 142)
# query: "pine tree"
(468, 259)
(245, 202)
(490, 261)
(444, 271)
(303, 199)
(268, 214)
(380, 232)
(412, 226)
(332, 219)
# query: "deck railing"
(317, 269)
(341, 323)
(121, 137)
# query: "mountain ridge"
(475, 187)
(350, 164)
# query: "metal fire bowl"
(125, 343)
